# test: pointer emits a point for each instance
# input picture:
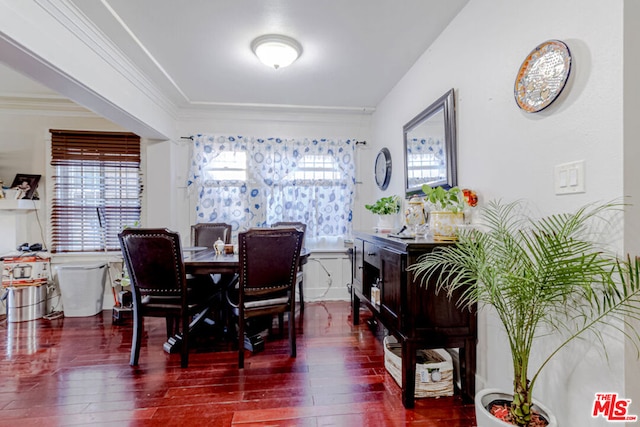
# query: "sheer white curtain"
(254, 182)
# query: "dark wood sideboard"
(417, 317)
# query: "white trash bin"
(82, 288)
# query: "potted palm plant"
(546, 274)
(387, 209)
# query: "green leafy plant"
(385, 205)
(550, 272)
(439, 199)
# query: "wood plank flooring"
(75, 371)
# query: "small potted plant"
(539, 274)
(446, 211)
(387, 209)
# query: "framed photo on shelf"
(26, 185)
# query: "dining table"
(202, 261)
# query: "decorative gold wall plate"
(542, 76)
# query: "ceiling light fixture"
(276, 51)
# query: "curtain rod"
(357, 142)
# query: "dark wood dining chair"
(206, 233)
(302, 227)
(269, 260)
(153, 257)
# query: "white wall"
(326, 276)
(506, 153)
(631, 170)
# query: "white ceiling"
(197, 51)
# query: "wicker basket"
(434, 370)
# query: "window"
(96, 189)
(253, 182)
(424, 167)
(317, 168)
(228, 166)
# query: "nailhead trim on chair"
(175, 256)
(293, 267)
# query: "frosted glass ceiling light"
(276, 51)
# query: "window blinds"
(97, 189)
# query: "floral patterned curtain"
(273, 179)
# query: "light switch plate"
(569, 178)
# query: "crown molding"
(196, 107)
(79, 25)
(42, 105)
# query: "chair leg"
(301, 292)
(184, 351)
(229, 325)
(281, 323)
(241, 323)
(136, 338)
(170, 321)
(292, 333)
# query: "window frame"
(95, 155)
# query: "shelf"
(11, 204)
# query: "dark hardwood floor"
(75, 371)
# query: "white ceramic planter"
(387, 222)
(485, 419)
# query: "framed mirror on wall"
(430, 147)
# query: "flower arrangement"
(471, 197)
